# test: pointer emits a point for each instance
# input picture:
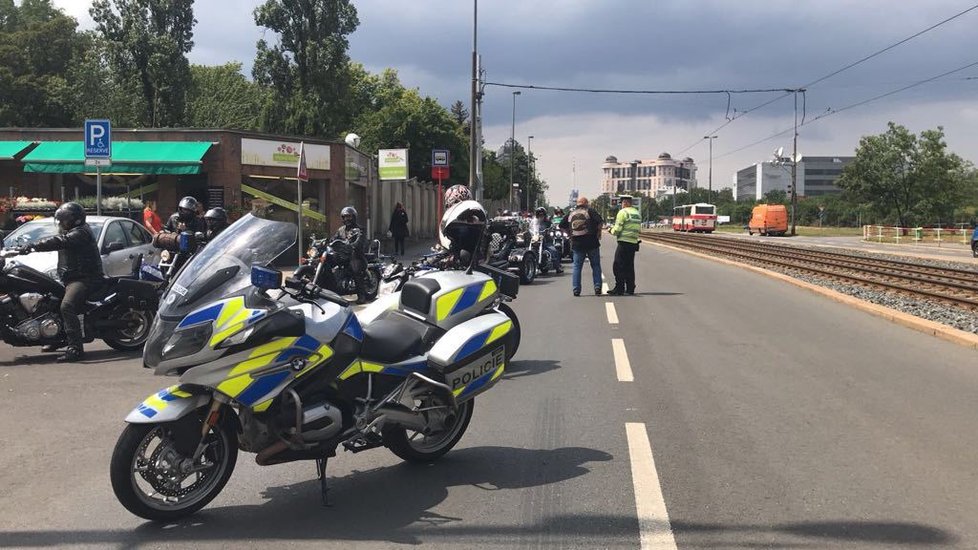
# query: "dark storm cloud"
(668, 45)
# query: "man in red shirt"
(151, 220)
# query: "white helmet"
(459, 222)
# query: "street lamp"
(473, 146)
(529, 173)
(512, 150)
(711, 138)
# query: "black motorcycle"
(119, 311)
(508, 248)
(327, 265)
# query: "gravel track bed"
(931, 310)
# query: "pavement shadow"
(391, 504)
(34, 356)
(658, 294)
(521, 368)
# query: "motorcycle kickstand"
(321, 472)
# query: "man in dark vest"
(584, 225)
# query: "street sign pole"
(98, 190)
(441, 202)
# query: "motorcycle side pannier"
(472, 356)
(136, 293)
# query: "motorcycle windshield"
(221, 269)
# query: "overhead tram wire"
(852, 106)
(833, 73)
(648, 92)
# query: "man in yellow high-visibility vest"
(628, 223)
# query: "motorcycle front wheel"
(528, 271)
(423, 448)
(153, 474)
(133, 336)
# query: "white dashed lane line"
(609, 308)
(654, 528)
(622, 366)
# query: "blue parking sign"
(98, 139)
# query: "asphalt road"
(758, 415)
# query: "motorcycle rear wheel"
(131, 338)
(140, 479)
(420, 448)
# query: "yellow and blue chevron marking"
(247, 389)
(359, 367)
(161, 400)
(229, 317)
(483, 339)
(463, 298)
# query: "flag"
(303, 174)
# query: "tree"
(307, 70)
(150, 39)
(776, 196)
(461, 116)
(37, 45)
(96, 91)
(221, 97)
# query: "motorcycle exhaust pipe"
(263, 458)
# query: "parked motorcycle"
(327, 265)
(119, 312)
(508, 248)
(290, 373)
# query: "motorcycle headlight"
(536, 238)
(312, 253)
(187, 341)
(165, 256)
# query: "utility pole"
(794, 168)
(512, 151)
(529, 173)
(711, 138)
(474, 157)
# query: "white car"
(121, 242)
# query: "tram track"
(958, 287)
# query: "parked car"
(768, 219)
(121, 242)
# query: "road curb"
(944, 332)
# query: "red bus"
(700, 217)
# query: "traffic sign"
(439, 157)
(98, 139)
(439, 172)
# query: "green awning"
(128, 157)
(10, 149)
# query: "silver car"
(120, 240)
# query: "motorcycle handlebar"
(312, 291)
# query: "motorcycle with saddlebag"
(289, 372)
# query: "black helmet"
(216, 214)
(541, 210)
(187, 208)
(69, 215)
(351, 212)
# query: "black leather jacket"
(173, 225)
(355, 236)
(78, 255)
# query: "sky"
(659, 45)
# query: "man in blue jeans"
(584, 226)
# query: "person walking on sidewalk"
(584, 225)
(399, 228)
(628, 223)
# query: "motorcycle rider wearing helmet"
(548, 242)
(354, 235)
(185, 218)
(217, 221)
(79, 267)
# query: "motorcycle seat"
(392, 339)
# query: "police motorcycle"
(289, 373)
(327, 265)
(119, 311)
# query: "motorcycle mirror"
(265, 278)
